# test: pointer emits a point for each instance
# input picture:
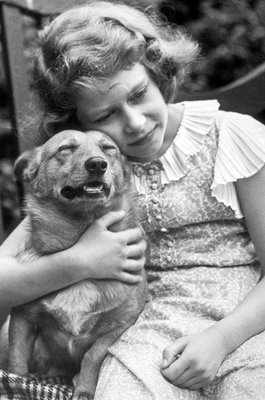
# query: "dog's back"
(75, 178)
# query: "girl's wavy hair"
(89, 43)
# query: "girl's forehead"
(128, 77)
(124, 80)
(120, 86)
(115, 91)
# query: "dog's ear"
(126, 166)
(27, 165)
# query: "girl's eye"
(105, 117)
(138, 96)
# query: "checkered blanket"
(14, 387)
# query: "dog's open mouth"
(90, 189)
(93, 187)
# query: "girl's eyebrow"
(130, 93)
(137, 86)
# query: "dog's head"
(74, 167)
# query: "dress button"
(164, 230)
(138, 170)
(169, 244)
(154, 200)
(153, 186)
(158, 217)
(151, 171)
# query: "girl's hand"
(192, 361)
(102, 254)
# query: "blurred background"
(231, 34)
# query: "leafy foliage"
(231, 34)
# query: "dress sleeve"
(240, 154)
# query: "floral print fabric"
(201, 264)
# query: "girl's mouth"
(143, 140)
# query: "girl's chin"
(146, 153)
(143, 157)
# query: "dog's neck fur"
(55, 227)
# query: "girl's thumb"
(111, 218)
(172, 352)
(165, 363)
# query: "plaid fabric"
(14, 387)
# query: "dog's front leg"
(86, 381)
(22, 336)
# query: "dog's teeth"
(90, 189)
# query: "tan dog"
(74, 178)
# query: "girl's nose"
(134, 121)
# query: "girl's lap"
(135, 373)
(133, 367)
(141, 381)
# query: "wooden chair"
(246, 95)
(15, 60)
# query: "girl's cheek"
(116, 133)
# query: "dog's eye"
(66, 148)
(109, 147)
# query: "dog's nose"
(97, 165)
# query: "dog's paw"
(83, 396)
(18, 368)
(82, 390)
(85, 385)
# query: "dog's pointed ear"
(27, 165)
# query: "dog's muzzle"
(96, 168)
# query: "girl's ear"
(27, 165)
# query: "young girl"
(200, 177)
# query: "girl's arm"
(202, 354)
(248, 318)
(98, 254)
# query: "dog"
(74, 178)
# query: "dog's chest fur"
(76, 309)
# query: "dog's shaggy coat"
(74, 178)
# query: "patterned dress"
(201, 262)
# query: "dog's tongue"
(95, 187)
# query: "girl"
(200, 177)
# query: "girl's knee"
(117, 382)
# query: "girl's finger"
(134, 265)
(195, 383)
(187, 383)
(130, 278)
(172, 352)
(136, 250)
(175, 370)
(186, 376)
(133, 235)
(111, 218)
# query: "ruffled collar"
(198, 118)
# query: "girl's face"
(130, 109)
